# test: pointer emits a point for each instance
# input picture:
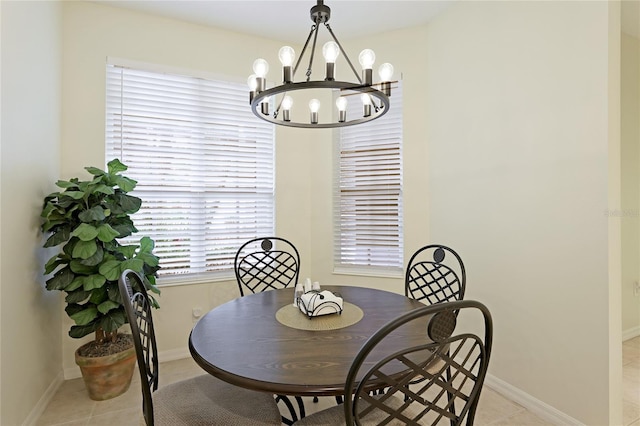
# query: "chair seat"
(205, 400)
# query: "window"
(368, 232)
(204, 165)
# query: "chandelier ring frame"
(339, 85)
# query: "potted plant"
(87, 218)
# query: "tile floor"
(72, 407)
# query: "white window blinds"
(204, 166)
(368, 232)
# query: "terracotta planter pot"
(108, 376)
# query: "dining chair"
(202, 400)
(266, 263)
(435, 273)
(452, 362)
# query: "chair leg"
(292, 411)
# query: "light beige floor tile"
(70, 403)
(83, 422)
(493, 406)
(523, 418)
(128, 417)
(630, 412)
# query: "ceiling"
(289, 20)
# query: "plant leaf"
(61, 235)
(113, 320)
(85, 249)
(66, 184)
(77, 296)
(95, 171)
(111, 270)
(76, 195)
(127, 251)
(60, 280)
(85, 316)
(104, 189)
(98, 296)
(125, 204)
(94, 214)
(52, 264)
(115, 166)
(85, 232)
(106, 233)
(78, 268)
(78, 331)
(125, 183)
(148, 258)
(76, 283)
(96, 258)
(106, 306)
(94, 281)
(133, 264)
(146, 245)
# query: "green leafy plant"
(87, 218)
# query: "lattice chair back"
(138, 310)
(435, 273)
(266, 264)
(435, 382)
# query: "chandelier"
(375, 100)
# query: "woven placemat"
(291, 316)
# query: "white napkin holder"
(317, 303)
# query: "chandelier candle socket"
(375, 97)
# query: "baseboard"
(174, 354)
(534, 405)
(44, 400)
(630, 333)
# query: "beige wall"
(518, 132)
(630, 154)
(30, 316)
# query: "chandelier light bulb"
(286, 54)
(341, 103)
(287, 102)
(366, 58)
(314, 105)
(260, 67)
(252, 82)
(366, 104)
(330, 51)
(385, 72)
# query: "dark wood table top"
(242, 343)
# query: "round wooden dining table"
(244, 343)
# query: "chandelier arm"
(326, 24)
(313, 48)
(306, 43)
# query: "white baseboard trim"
(631, 333)
(174, 354)
(44, 400)
(537, 407)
